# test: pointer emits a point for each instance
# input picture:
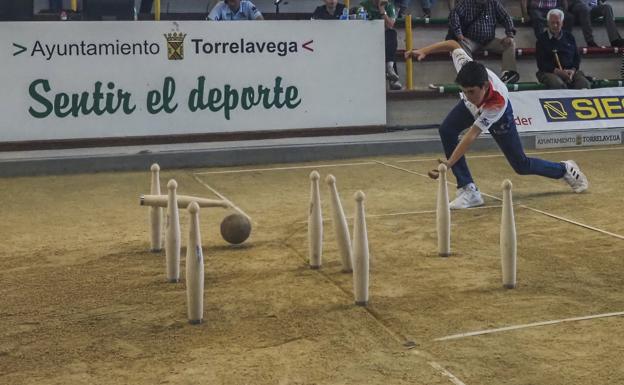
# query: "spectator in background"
(473, 25)
(426, 6)
(557, 56)
(146, 6)
(383, 10)
(56, 6)
(402, 6)
(586, 10)
(235, 10)
(536, 10)
(330, 11)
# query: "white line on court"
(527, 152)
(525, 326)
(283, 168)
(564, 219)
(448, 374)
(407, 213)
(234, 207)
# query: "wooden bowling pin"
(155, 213)
(172, 235)
(194, 268)
(508, 238)
(360, 252)
(315, 223)
(343, 237)
(443, 214)
(183, 201)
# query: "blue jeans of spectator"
(427, 4)
(506, 136)
(391, 44)
(402, 3)
(56, 5)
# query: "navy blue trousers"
(506, 136)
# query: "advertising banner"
(564, 110)
(71, 80)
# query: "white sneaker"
(574, 177)
(467, 196)
(390, 72)
(396, 85)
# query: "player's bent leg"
(455, 122)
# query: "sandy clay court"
(84, 301)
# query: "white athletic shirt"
(496, 100)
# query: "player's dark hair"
(472, 74)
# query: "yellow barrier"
(157, 10)
(74, 5)
(409, 78)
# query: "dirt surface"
(84, 301)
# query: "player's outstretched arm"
(443, 46)
(464, 144)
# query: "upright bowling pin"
(315, 223)
(340, 226)
(194, 268)
(360, 252)
(155, 213)
(508, 238)
(443, 215)
(172, 236)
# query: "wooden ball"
(235, 228)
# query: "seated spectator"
(587, 10)
(383, 10)
(536, 11)
(557, 56)
(235, 10)
(402, 5)
(473, 25)
(426, 6)
(56, 6)
(330, 11)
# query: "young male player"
(484, 106)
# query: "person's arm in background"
(577, 57)
(443, 46)
(388, 17)
(455, 20)
(214, 13)
(544, 57)
(502, 16)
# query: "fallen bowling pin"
(341, 228)
(443, 214)
(157, 200)
(155, 213)
(315, 223)
(194, 269)
(172, 234)
(508, 244)
(360, 252)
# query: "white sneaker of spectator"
(390, 72)
(395, 85)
